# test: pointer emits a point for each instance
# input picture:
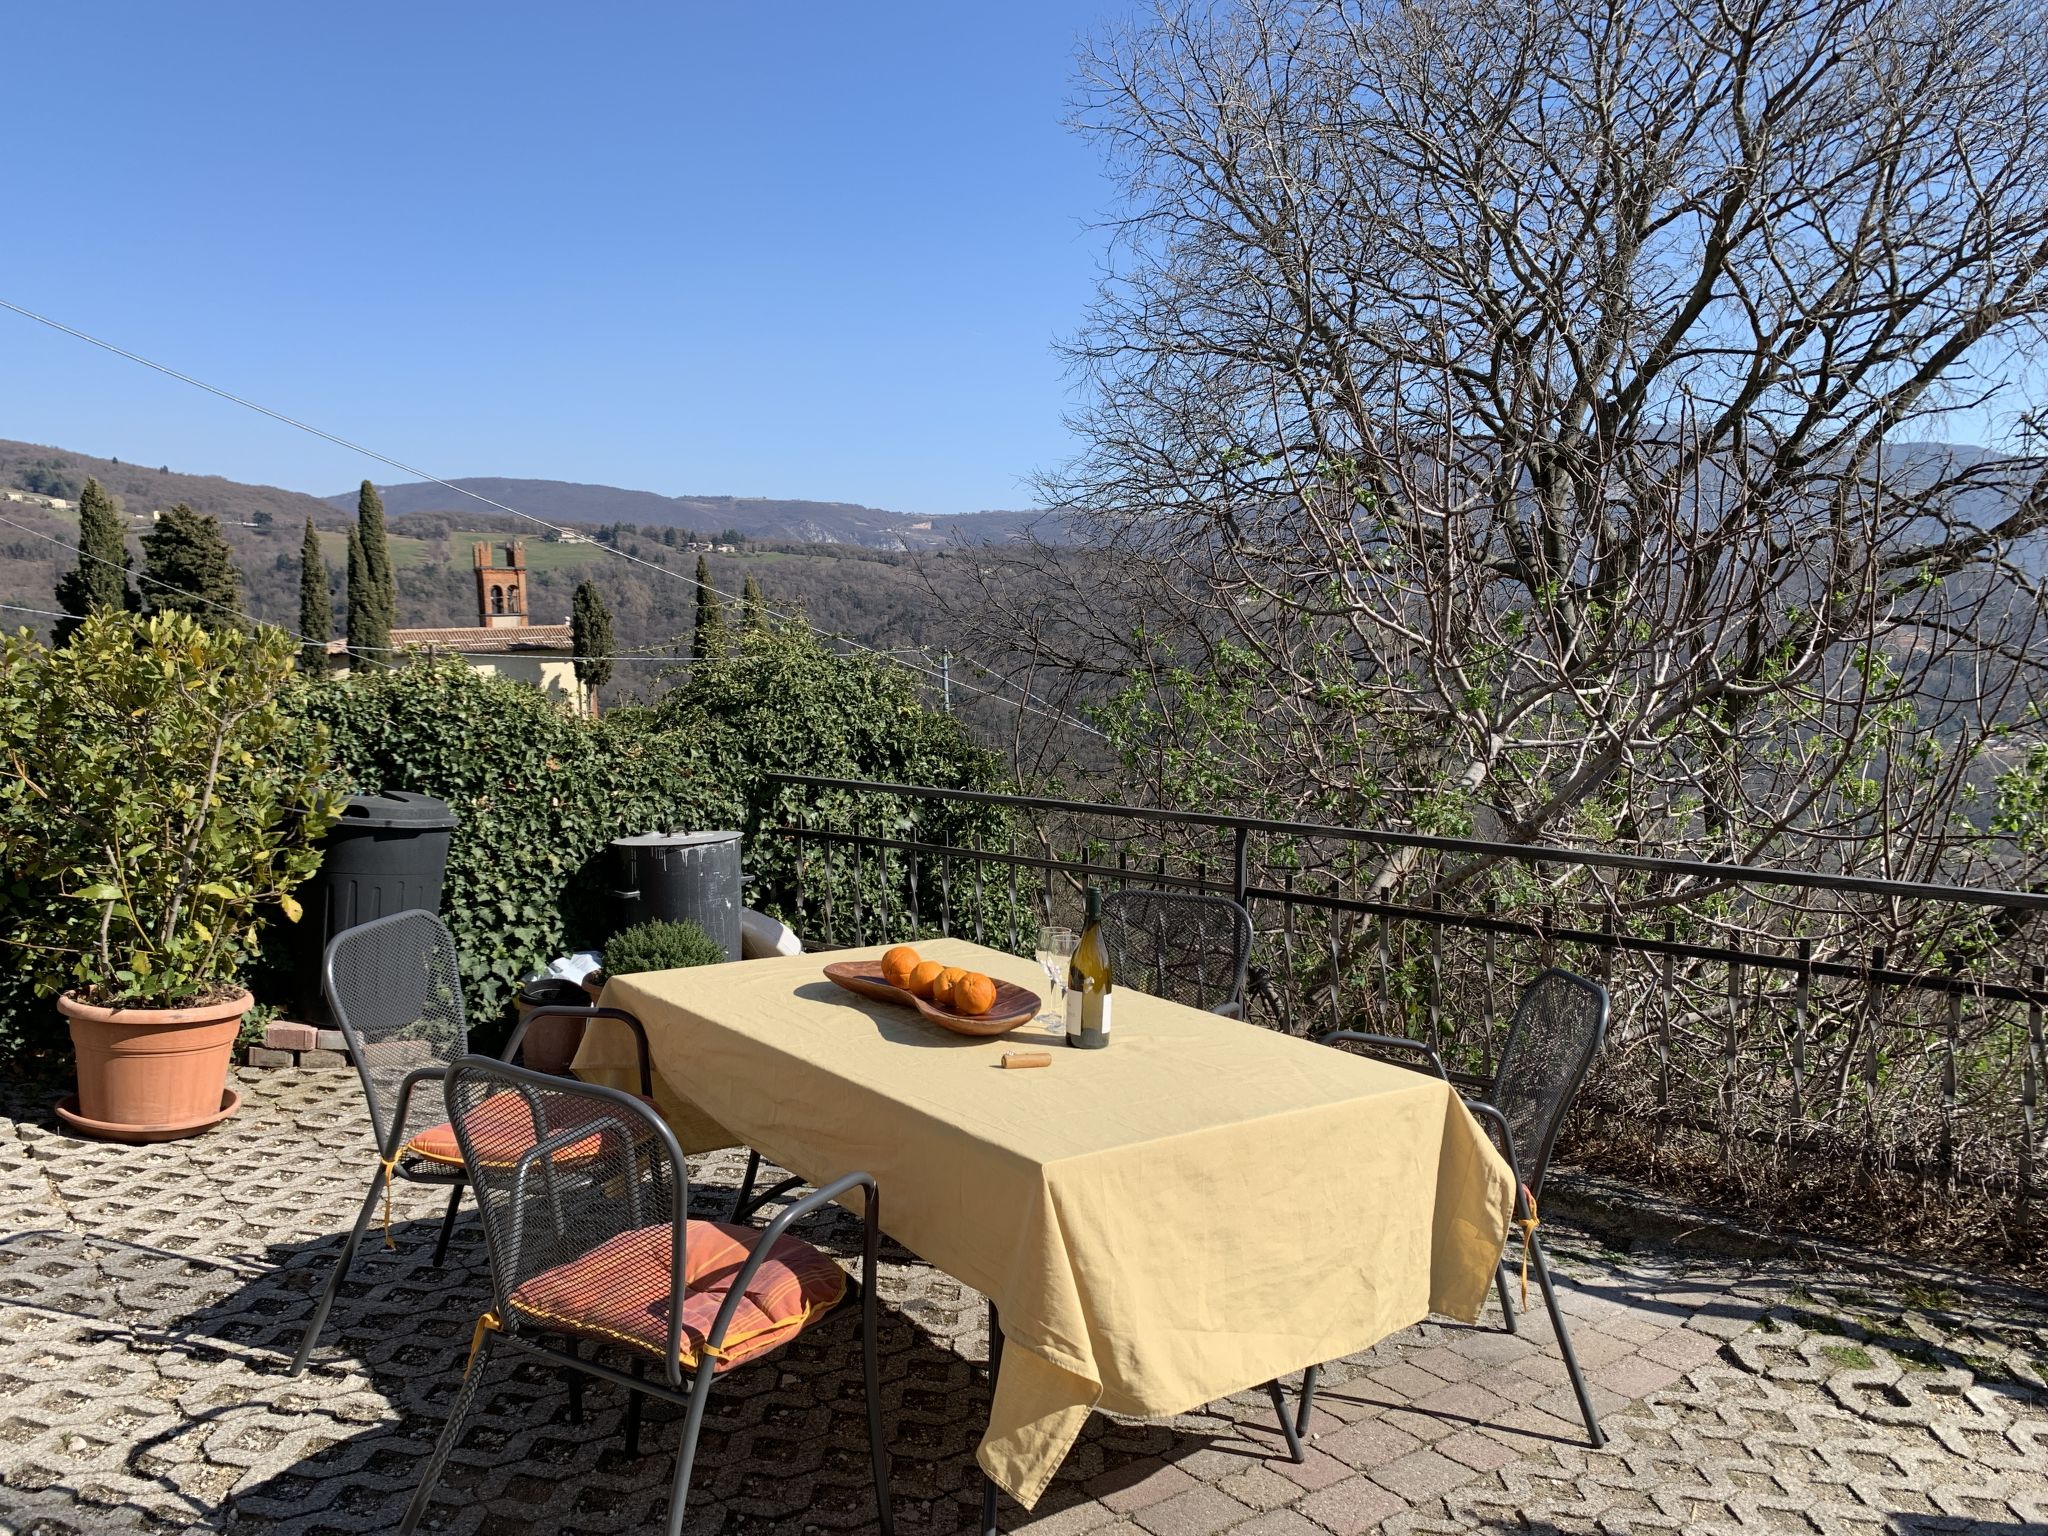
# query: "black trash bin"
(682, 877)
(388, 853)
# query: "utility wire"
(1030, 703)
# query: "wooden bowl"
(1014, 1005)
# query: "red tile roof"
(473, 638)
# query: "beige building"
(501, 643)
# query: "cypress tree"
(709, 641)
(377, 552)
(316, 612)
(590, 637)
(188, 568)
(753, 607)
(100, 579)
(369, 631)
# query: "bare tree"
(1525, 415)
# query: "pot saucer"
(67, 1111)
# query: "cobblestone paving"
(149, 1295)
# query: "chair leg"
(1309, 1378)
(450, 1433)
(871, 1362)
(995, 1366)
(1594, 1433)
(1507, 1301)
(1293, 1437)
(333, 1287)
(686, 1450)
(448, 1226)
(746, 1189)
(633, 1407)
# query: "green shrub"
(659, 945)
(158, 805)
(791, 705)
(538, 794)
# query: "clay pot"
(151, 1074)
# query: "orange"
(922, 975)
(942, 989)
(973, 993)
(897, 965)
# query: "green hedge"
(538, 795)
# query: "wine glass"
(1055, 950)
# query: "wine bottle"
(1089, 983)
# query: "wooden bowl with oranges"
(966, 1002)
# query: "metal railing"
(1781, 1012)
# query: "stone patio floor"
(149, 1296)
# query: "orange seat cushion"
(619, 1291)
(503, 1127)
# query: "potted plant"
(655, 945)
(155, 803)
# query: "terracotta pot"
(150, 1074)
(550, 1045)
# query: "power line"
(41, 613)
(1030, 703)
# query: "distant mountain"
(60, 473)
(761, 519)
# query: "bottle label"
(1107, 999)
(1074, 1015)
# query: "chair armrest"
(759, 1255)
(1481, 1110)
(565, 1011)
(1387, 1043)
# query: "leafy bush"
(660, 946)
(158, 802)
(791, 705)
(538, 795)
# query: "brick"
(1682, 1348)
(1447, 1362)
(330, 1040)
(1317, 1469)
(1138, 1484)
(1634, 1376)
(1281, 1522)
(1198, 1512)
(1074, 1520)
(1369, 1443)
(327, 1060)
(1399, 1384)
(1261, 1487)
(282, 1035)
(1492, 1346)
(1482, 1453)
(264, 1056)
(1354, 1505)
(1725, 1319)
(1595, 1347)
(1467, 1402)
(1422, 1475)
(1564, 1403)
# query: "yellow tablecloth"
(1198, 1209)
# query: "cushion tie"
(488, 1323)
(390, 1167)
(1528, 1224)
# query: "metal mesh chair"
(395, 985)
(584, 1194)
(1558, 1028)
(1180, 946)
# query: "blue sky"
(800, 249)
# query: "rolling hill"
(879, 593)
(789, 522)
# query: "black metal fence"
(1784, 1013)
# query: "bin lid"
(674, 839)
(400, 809)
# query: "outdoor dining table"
(1199, 1209)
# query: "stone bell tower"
(501, 589)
